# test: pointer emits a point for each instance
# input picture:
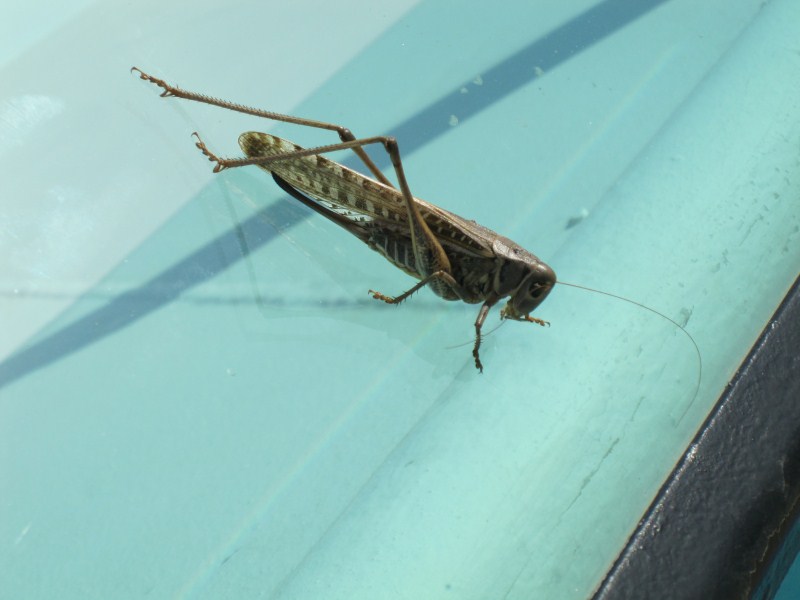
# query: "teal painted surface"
(790, 586)
(202, 401)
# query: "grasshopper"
(457, 258)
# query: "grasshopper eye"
(537, 292)
(537, 289)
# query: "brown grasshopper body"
(458, 259)
(483, 263)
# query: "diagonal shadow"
(518, 69)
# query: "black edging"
(717, 526)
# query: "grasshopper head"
(532, 290)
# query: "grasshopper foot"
(379, 296)
(168, 89)
(537, 321)
(476, 355)
(478, 363)
(208, 154)
(512, 315)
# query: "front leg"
(478, 325)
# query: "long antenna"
(663, 316)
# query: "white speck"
(584, 213)
(22, 534)
(453, 120)
(464, 90)
(539, 71)
(478, 80)
(231, 372)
